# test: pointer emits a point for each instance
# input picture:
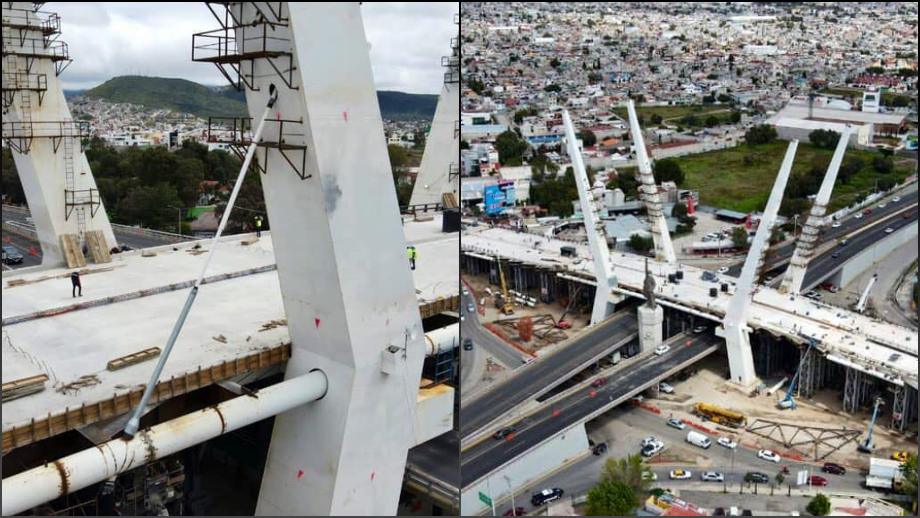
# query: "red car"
(818, 481)
(867, 212)
(599, 382)
(517, 511)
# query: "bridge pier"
(857, 390)
(650, 327)
(904, 407)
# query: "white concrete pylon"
(648, 191)
(603, 270)
(347, 290)
(804, 248)
(735, 329)
(439, 171)
(44, 139)
(864, 298)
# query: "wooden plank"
(23, 387)
(73, 253)
(119, 404)
(133, 358)
(98, 248)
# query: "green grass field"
(673, 112)
(725, 181)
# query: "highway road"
(482, 338)
(489, 454)
(848, 225)
(546, 372)
(437, 458)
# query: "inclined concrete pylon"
(347, 290)
(805, 245)
(45, 141)
(594, 227)
(439, 171)
(648, 192)
(735, 329)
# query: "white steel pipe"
(74, 472)
(442, 340)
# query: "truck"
(698, 439)
(883, 474)
(615, 357)
(720, 415)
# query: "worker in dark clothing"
(258, 226)
(413, 254)
(75, 281)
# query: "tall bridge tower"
(47, 144)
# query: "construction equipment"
(562, 323)
(788, 402)
(506, 306)
(868, 445)
(720, 415)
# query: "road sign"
(485, 498)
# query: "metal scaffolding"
(236, 132)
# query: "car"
(727, 442)
(462, 317)
(835, 255)
(834, 468)
(11, 255)
(757, 477)
(471, 308)
(662, 349)
(889, 230)
(517, 511)
(503, 433)
(723, 269)
(881, 205)
(858, 215)
(680, 474)
(676, 423)
(649, 441)
(768, 455)
(900, 456)
(599, 449)
(699, 329)
(652, 449)
(817, 480)
(712, 476)
(465, 292)
(546, 496)
(718, 511)
(467, 344)
(126, 248)
(768, 279)
(649, 475)
(664, 387)
(599, 382)
(835, 224)
(896, 199)
(906, 215)
(843, 242)
(867, 212)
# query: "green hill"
(186, 96)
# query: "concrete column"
(650, 330)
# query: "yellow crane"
(507, 306)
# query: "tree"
(735, 117)
(668, 170)
(476, 86)
(822, 138)
(588, 138)
(250, 202)
(626, 182)
(690, 120)
(711, 121)
(151, 206)
(849, 167)
(521, 114)
(399, 157)
(739, 238)
(820, 505)
(554, 63)
(552, 88)
(761, 134)
(640, 243)
(679, 210)
(510, 148)
(595, 77)
(611, 498)
(882, 164)
(656, 119)
(909, 467)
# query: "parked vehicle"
(699, 329)
(652, 449)
(720, 415)
(546, 496)
(834, 468)
(817, 480)
(599, 448)
(467, 344)
(768, 455)
(757, 477)
(11, 255)
(649, 475)
(676, 423)
(712, 476)
(723, 269)
(698, 439)
(727, 442)
(648, 441)
(664, 387)
(680, 474)
(900, 456)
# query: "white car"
(662, 349)
(673, 422)
(881, 205)
(768, 455)
(649, 441)
(649, 475)
(723, 269)
(652, 449)
(680, 474)
(728, 443)
(858, 215)
(664, 387)
(462, 317)
(711, 476)
(896, 199)
(836, 224)
(471, 308)
(465, 292)
(889, 230)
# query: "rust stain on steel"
(65, 478)
(148, 443)
(223, 422)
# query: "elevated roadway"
(583, 404)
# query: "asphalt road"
(544, 373)
(438, 458)
(847, 225)
(489, 454)
(22, 245)
(472, 328)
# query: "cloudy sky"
(140, 38)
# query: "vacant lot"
(740, 178)
(673, 112)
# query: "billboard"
(497, 197)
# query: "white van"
(698, 439)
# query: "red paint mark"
(33, 251)
(373, 474)
(278, 116)
(345, 115)
(316, 321)
(299, 473)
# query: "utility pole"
(511, 489)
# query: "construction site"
(284, 347)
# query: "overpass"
(582, 404)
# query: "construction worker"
(413, 254)
(75, 281)
(258, 226)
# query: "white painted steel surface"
(442, 149)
